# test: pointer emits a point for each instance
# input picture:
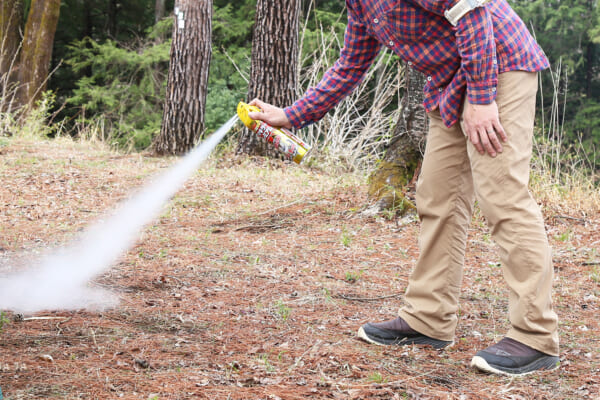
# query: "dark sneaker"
(397, 332)
(509, 357)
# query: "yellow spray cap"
(242, 110)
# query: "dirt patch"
(252, 284)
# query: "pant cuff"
(545, 345)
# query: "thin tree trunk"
(159, 10)
(390, 185)
(36, 53)
(184, 112)
(274, 70)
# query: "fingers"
(256, 115)
(495, 133)
(485, 141)
(493, 141)
(260, 115)
(270, 114)
(483, 128)
(474, 138)
(488, 142)
(500, 130)
(257, 103)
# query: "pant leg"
(444, 204)
(514, 218)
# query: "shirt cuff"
(481, 92)
(295, 116)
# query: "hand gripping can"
(292, 147)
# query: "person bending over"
(481, 65)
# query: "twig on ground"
(43, 318)
(93, 334)
(582, 220)
(389, 296)
(61, 322)
(258, 226)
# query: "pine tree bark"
(11, 28)
(391, 184)
(36, 52)
(184, 112)
(11, 18)
(274, 70)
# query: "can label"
(285, 142)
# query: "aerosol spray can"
(284, 141)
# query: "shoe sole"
(541, 365)
(407, 341)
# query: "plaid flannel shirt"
(467, 58)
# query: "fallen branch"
(258, 226)
(389, 296)
(58, 328)
(44, 318)
(582, 220)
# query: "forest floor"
(252, 285)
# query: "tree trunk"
(184, 112)
(37, 49)
(11, 28)
(11, 18)
(159, 10)
(112, 18)
(390, 186)
(274, 70)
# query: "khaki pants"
(453, 174)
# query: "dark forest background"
(110, 62)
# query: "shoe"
(397, 332)
(509, 357)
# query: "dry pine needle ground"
(252, 284)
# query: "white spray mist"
(60, 281)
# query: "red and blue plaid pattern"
(467, 58)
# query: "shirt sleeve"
(477, 47)
(359, 51)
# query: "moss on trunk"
(391, 182)
(36, 52)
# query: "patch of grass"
(353, 276)
(253, 260)
(346, 238)
(35, 126)
(282, 310)
(327, 295)
(564, 237)
(376, 377)
(3, 320)
(264, 359)
(595, 273)
(564, 179)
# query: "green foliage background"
(114, 71)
